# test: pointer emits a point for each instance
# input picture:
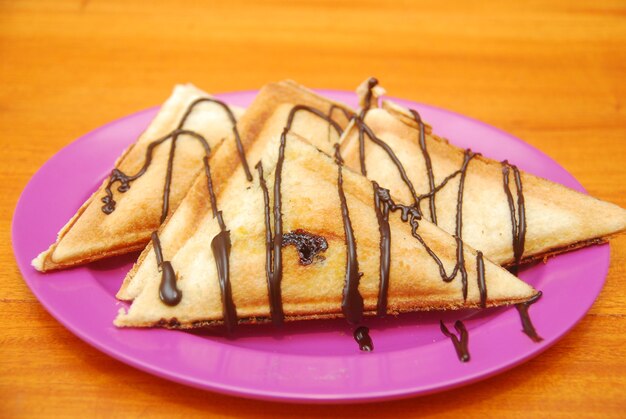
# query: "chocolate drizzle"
(480, 278)
(413, 216)
(168, 292)
(367, 105)
(384, 203)
(518, 222)
(460, 345)
(362, 337)
(273, 291)
(352, 302)
(220, 246)
(518, 232)
(126, 180)
(382, 214)
(274, 242)
(308, 245)
(363, 130)
(427, 162)
(527, 325)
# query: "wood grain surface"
(552, 73)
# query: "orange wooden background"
(552, 74)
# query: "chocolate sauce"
(352, 301)
(274, 265)
(459, 221)
(413, 215)
(168, 292)
(362, 337)
(527, 324)
(168, 178)
(365, 129)
(170, 161)
(220, 246)
(308, 245)
(276, 311)
(428, 164)
(518, 230)
(382, 214)
(233, 121)
(125, 180)
(371, 83)
(460, 345)
(518, 222)
(480, 278)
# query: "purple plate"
(307, 361)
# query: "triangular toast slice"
(263, 122)
(315, 254)
(512, 216)
(120, 216)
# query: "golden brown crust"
(92, 235)
(174, 324)
(263, 122)
(311, 203)
(560, 250)
(557, 218)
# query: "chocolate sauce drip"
(168, 292)
(170, 161)
(460, 345)
(220, 246)
(527, 325)
(480, 278)
(308, 245)
(518, 222)
(362, 337)
(233, 121)
(414, 213)
(274, 296)
(382, 214)
(459, 220)
(365, 129)
(277, 240)
(428, 163)
(371, 83)
(274, 264)
(125, 180)
(168, 179)
(518, 230)
(352, 302)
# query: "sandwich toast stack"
(302, 208)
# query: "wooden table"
(552, 74)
